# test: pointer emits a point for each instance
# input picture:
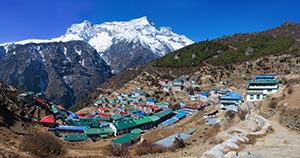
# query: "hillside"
(230, 50)
(223, 54)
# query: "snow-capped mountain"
(123, 44)
(104, 35)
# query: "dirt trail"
(283, 142)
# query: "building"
(63, 129)
(74, 137)
(126, 140)
(163, 82)
(123, 126)
(260, 87)
(97, 133)
(196, 106)
(177, 85)
(164, 115)
(231, 98)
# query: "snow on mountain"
(102, 36)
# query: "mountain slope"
(130, 43)
(65, 71)
(233, 49)
(221, 55)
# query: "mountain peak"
(142, 21)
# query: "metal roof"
(98, 131)
(163, 113)
(153, 118)
(116, 117)
(264, 81)
(137, 130)
(125, 138)
(142, 120)
(232, 96)
(74, 137)
(123, 124)
(168, 141)
(71, 128)
(265, 76)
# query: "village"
(123, 117)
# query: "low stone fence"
(228, 147)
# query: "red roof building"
(60, 107)
(80, 113)
(104, 115)
(48, 119)
(103, 110)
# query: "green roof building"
(95, 133)
(260, 87)
(144, 123)
(124, 126)
(74, 137)
(127, 139)
(164, 115)
(116, 117)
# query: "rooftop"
(125, 138)
(98, 130)
(74, 137)
(163, 113)
(123, 124)
(232, 96)
(264, 81)
(143, 120)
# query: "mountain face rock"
(2, 52)
(120, 61)
(65, 71)
(124, 44)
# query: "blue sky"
(197, 19)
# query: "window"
(257, 96)
(251, 96)
(264, 96)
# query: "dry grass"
(121, 151)
(41, 144)
(149, 148)
(242, 113)
(273, 104)
(290, 90)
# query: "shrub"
(242, 113)
(149, 148)
(272, 104)
(290, 90)
(42, 144)
(229, 115)
(118, 150)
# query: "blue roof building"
(231, 98)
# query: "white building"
(260, 87)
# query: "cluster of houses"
(129, 114)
